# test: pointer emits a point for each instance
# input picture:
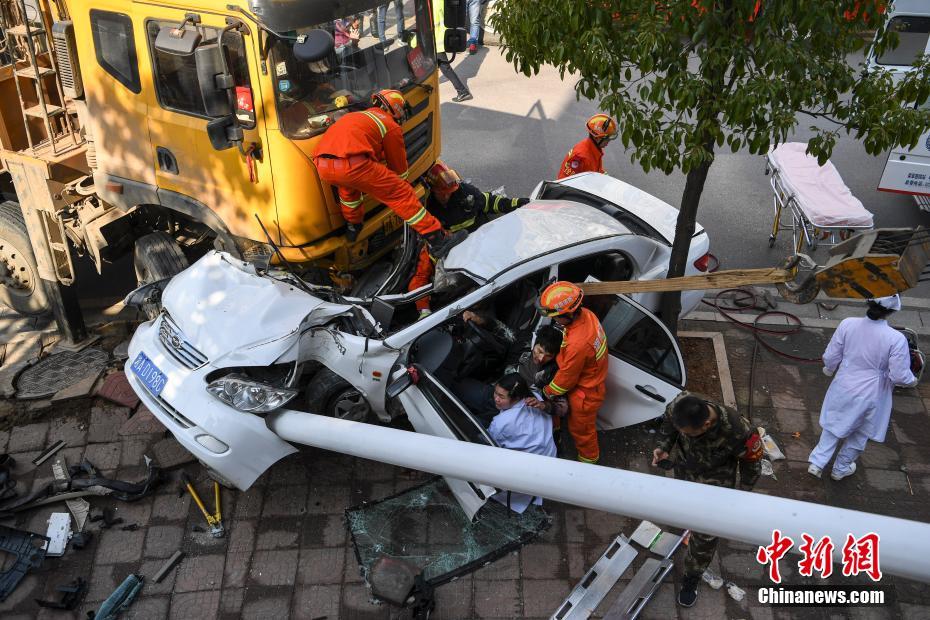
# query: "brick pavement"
(287, 552)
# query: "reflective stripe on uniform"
(462, 225)
(555, 388)
(419, 215)
(590, 461)
(601, 350)
(352, 204)
(377, 121)
(404, 174)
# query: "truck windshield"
(388, 45)
(913, 33)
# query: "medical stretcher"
(819, 207)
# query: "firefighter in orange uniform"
(582, 364)
(349, 156)
(588, 155)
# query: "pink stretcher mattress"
(819, 190)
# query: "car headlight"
(247, 395)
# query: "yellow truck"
(165, 126)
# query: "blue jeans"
(474, 20)
(382, 18)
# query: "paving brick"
(4, 441)
(357, 602)
(541, 597)
(883, 480)
(543, 561)
(104, 456)
(907, 405)
(103, 580)
(105, 422)
(171, 507)
(195, 605)
(274, 568)
(149, 608)
(267, 607)
(374, 471)
(507, 567)
(231, 602)
(328, 499)
(28, 437)
(161, 541)
(663, 605)
(287, 472)
(241, 537)
(133, 453)
(72, 431)
(317, 601)
(497, 599)
(914, 612)
(455, 600)
(321, 566)
(168, 453)
(323, 531)
(116, 546)
(711, 604)
(602, 527)
(249, 503)
(574, 525)
(285, 501)
(203, 572)
(116, 389)
(283, 536)
(353, 570)
(166, 586)
(236, 569)
(142, 422)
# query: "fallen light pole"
(736, 515)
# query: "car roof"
(540, 227)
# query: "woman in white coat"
(868, 358)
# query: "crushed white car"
(234, 342)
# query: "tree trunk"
(684, 230)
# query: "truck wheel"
(329, 394)
(157, 256)
(22, 289)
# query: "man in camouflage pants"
(711, 442)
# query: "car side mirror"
(224, 132)
(177, 41)
(455, 13)
(455, 41)
(149, 293)
(396, 387)
(214, 82)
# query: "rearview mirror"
(396, 387)
(147, 293)
(177, 41)
(213, 79)
(224, 132)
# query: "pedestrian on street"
(582, 363)
(349, 156)
(866, 358)
(711, 443)
(474, 24)
(445, 63)
(588, 155)
(458, 206)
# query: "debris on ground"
(736, 593)
(772, 451)
(55, 447)
(72, 595)
(121, 599)
(58, 371)
(646, 534)
(712, 579)
(59, 533)
(29, 551)
(170, 563)
(116, 389)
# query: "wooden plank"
(729, 278)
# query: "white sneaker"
(836, 476)
(814, 471)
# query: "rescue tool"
(215, 520)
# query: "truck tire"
(157, 256)
(21, 289)
(329, 394)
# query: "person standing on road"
(474, 24)
(582, 363)
(349, 156)
(458, 206)
(588, 155)
(445, 63)
(713, 442)
(867, 358)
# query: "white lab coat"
(524, 428)
(868, 358)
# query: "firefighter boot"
(352, 231)
(688, 593)
(441, 241)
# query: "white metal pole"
(736, 515)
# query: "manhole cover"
(58, 371)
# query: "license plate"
(153, 379)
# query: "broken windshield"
(387, 45)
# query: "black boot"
(441, 241)
(352, 231)
(688, 593)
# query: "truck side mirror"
(455, 41)
(214, 82)
(224, 132)
(455, 14)
(177, 41)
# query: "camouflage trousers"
(701, 549)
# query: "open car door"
(646, 370)
(432, 409)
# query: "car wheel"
(331, 395)
(22, 289)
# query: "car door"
(646, 370)
(433, 410)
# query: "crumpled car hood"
(236, 317)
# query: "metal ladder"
(60, 131)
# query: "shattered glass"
(426, 527)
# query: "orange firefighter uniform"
(585, 156)
(582, 374)
(349, 156)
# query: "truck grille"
(177, 347)
(418, 139)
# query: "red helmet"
(560, 298)
(392, 102)
(602, 127)
(442, 179)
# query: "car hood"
(236, 317)
(657, 213)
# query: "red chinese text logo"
(860, 555)
(773, 553)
